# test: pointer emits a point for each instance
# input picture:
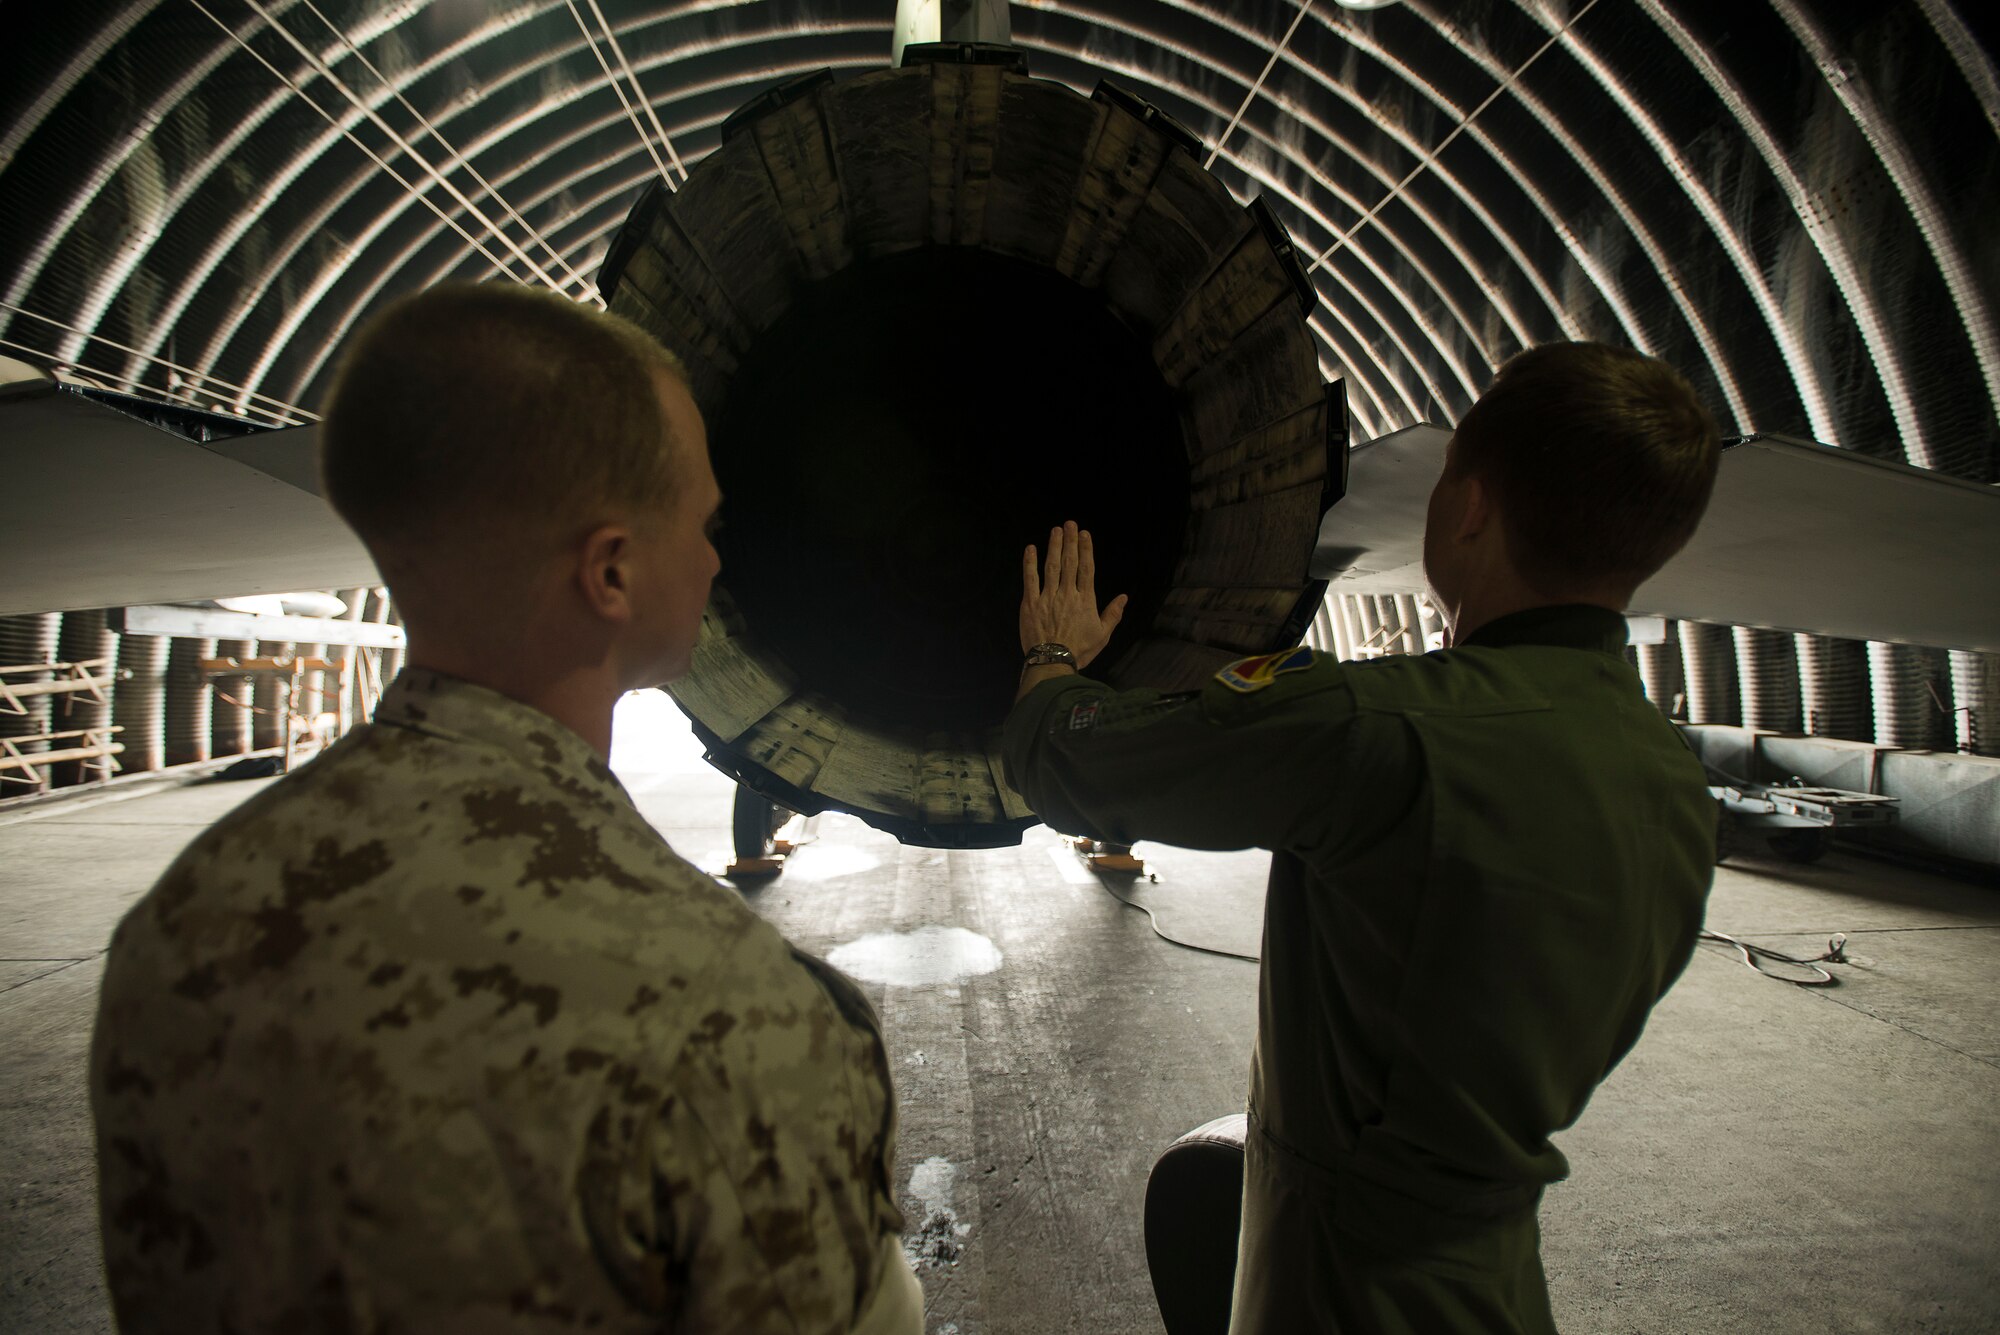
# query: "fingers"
(1031, 584)
(1114, 613)
(1072, 561)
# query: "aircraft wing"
(116, 506)
(1798, 537)
(114, 501)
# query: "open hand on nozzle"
(1059, 597)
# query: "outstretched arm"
(1193, 769)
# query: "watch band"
(1044, 654)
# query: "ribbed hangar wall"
(1791, 200)
(1784, 197)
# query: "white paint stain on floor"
(925, 957)
(938, 1239)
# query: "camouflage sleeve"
(1220, 768)
(772, 1160)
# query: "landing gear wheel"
(755, 823)
(1727, 833)
(1801, 845)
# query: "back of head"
(1600, 459)
(490, 423)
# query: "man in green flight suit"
(1488, 862)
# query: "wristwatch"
(1044, 654)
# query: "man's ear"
(1475, 510)
(604, 571)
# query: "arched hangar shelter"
(1189, 252)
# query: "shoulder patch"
(1254, 674)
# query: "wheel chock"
(1115, 859)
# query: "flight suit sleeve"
(1220, 768)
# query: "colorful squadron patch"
(1254, 674)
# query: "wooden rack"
(92, 746)
(89, 677)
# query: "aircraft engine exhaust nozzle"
(928, 312)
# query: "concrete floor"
(1770, 1158)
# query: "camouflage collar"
(458, 710)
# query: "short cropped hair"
(1600, 459)
(495, 410)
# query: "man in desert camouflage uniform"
(437, 1034)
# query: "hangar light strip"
(457, 160)
(319, 286)
(243, 220)
(1601, 277)
(135, 130)
(1969, 54)
(317, 290)
(1353, 98)
(1805, 375)
(1591, 264)
(1470, 384)
(77, 370)
(107, 284)
(1913, 186)
(395, 265)
(104, 285)
(1826, 236)
(394, 175)
(307, 300)
(638, 89)
(623, 101)
(109, 32)
(1451, 242)
(157, 361)
(1430, 155)
(374, 26)
(325, 71)
(1656, 254)
(358, 306)
(1359, 39)
(1593, 267)
(1258, 86)
(274, 263)
(1446, 353)
(1437, 230)
(620, 191)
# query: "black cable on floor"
(1164, 936)
(1836, 953)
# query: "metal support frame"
(287, 673)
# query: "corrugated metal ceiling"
(1787, 198)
